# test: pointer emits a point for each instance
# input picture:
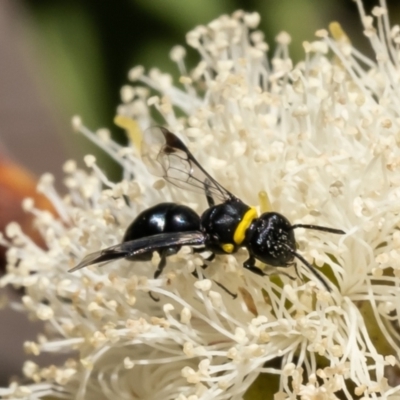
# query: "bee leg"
(250, 265)
(159, 270)
(210, 200)
(153, 297)
(199, 249)
(233, 295)
(297, 272)
(196, 275)
(161, 265)
(204, 266)
(209, 258)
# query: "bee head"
(269, 239)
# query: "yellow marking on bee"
(227, 247)
(132, 128)
(247, 219)
(265, 204)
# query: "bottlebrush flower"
(322, 139)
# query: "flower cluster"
(322, 139)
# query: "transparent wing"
(166, 156)
(141, 246)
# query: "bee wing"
(109, 254)
(141, 246)
(165, 155)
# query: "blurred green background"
(60, 58)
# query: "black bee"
(223, 228)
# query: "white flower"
(322, 139)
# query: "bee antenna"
(310, 268)
(319, 228)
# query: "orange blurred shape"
(16, 183)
